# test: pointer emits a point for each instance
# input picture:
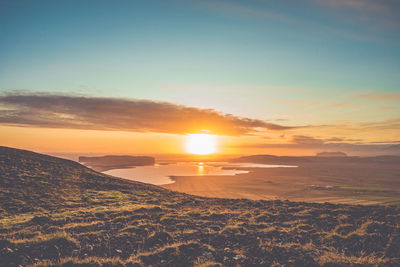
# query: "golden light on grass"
(201, 144)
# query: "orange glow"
(201, 144)
(86, 142)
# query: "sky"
(135, 77)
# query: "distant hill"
(56, 212)
(116, 161)
(325, 158)
(271, 159)
(331, 154)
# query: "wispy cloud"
(306, 140)
(373, 13)
(383, 12)
(365, 5)
(350, 146)
(78, 112)
(393, 124)
(389, 97)
(386, 142)
(338, 105)
(310, 140)
(245, 10)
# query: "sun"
(201, 144)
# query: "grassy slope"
(57, 212)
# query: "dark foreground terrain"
(55, 212)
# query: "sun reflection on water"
(200, 170)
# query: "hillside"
(55, 212)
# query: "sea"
(161, 173)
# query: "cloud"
(392, 97)
(338, 105)
(388, 107)
(375, 14)
(95, 113)
(245, 10)
(393, 124)
(334, 144)
(309, 140)
(386, 142)
(383, 12)
(337, 139)
(357, 127)
(306, 140)
(365, 5)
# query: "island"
(109, 162)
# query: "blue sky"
(300, 62)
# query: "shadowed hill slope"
(31, 181)
(55, 212)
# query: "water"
(160, 174)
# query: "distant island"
(110, 162)
(331, 154)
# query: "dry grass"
(104, 221)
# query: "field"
(55, 212)
(366, 181)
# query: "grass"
(73, 216)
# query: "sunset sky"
(136, 77)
